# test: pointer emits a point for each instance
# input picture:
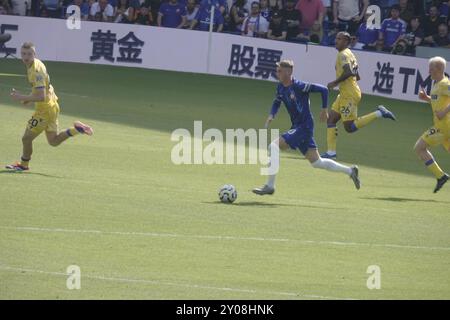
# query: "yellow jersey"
(348, 87)
(440, 99)
(39, 78)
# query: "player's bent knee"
(349, 126)
(54, 143)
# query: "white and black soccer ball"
(228, 193)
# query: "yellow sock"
(72, 132)
(434, 168)
(365, 120)
(24, 163)
(331, 138)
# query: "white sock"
(271, 181)
(378, 113)
(331, 165)
(274, 159)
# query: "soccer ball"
(228, 193)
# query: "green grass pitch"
(139, 226)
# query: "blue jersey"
(296, 99)
(392, 29)
(203, 17)
(172, 14)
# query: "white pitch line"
(229, 238)
(174, 284)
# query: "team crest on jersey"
(39, 77)
(434, 97)
(293, 96)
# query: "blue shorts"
(300, 138)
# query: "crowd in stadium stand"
(405, 24)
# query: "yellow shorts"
(435, 136)
(347, 106)
(44, 120)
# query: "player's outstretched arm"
(25, 99)
(314, 87)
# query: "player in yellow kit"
(45, 117)
(439, 134)
(345, 106)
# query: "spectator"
(19, 7)
(202, 19)
(5, 8)
(440, 39)
(154, 6)
(275, 5)
(219, 4)
(144, 15)
(391, 29)
(328, 14)
(238, 13)
(43, 13)
(406, 10)
(191, 12)
(311, 11)
(293, 18)
(431, 22)
(126, 11)
(313, 34)
(366, 36)
(84, 9)
(414, 35)
(172, 15)
(114, 3)
(277, 27)
(266, 11)
(347, 16)
(255, 25)
(444, 9)
(101, 11)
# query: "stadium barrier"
(386, 75)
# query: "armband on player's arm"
(314, 87)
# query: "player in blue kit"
(295, 96)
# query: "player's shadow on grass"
(399, 199)
(29, 173)
(269, 205)
(252, 204)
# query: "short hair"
(286, 64)
(255, 3)
(28, 45)
(346, 35)
(439, 61)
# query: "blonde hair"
(286, 64)
(438, 61)
(29, 45)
